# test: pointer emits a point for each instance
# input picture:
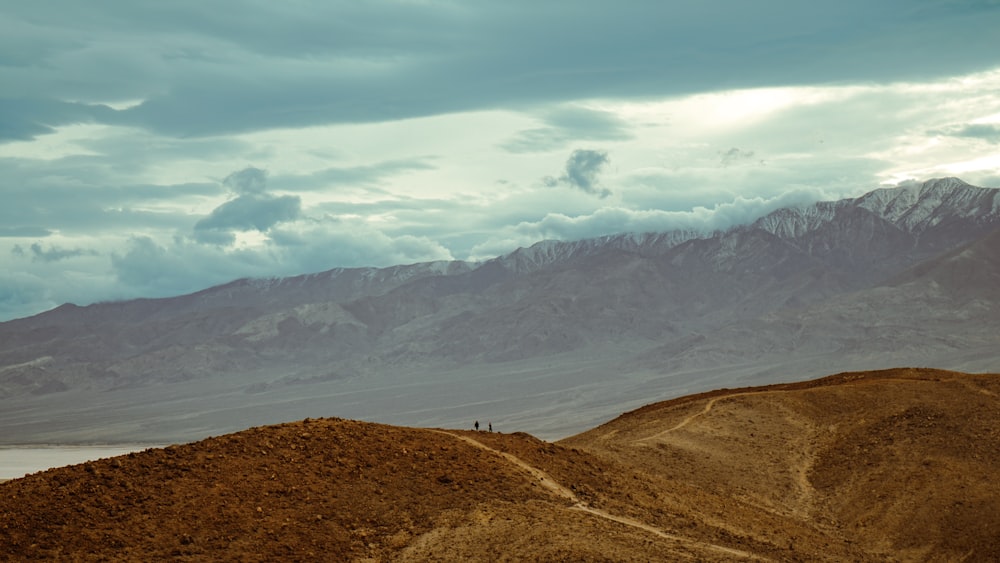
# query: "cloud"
(734, 156)
(352, 243)
(352, 176)
(249, 181)
(565, 125)
(612, 220)
(984, 131)
(151, 268)
(380, 129)
(24, 232)
(249, 212)
(582, 170)
(252, 209)
(53, 254)
(86, 194)
(341, 62)
(33, 285)
(22, 294)
(132, 153)
(26, 118)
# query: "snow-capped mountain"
(587, 327)
(548, 252)
(912, 208)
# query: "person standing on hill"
(491, 426)
(476, 425)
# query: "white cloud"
(180, 265)
(613, 220)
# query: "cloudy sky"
(157, 148)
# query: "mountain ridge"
(665, 312)
(905, 207)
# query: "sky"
(150, 149)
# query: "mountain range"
(550, 339)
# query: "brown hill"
(876, 466)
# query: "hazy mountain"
(550, 338)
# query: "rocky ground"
(877, 466)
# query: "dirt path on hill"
(801, 504)
(710, 404)
(559, 490)
(543, 478)
(691, 418)
(799, 458)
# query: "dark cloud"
(24, 232)
(80, 194)
(365, 175)
(53, 254)
(251, 209)
(134, 151)
(583, 167)
(734, 156)
(251, 212)
(582, 170)
(93, 194)
(249, 181)
(567, 125)
(176, 77)
(25, 119)
(983, 131)
(200, 72)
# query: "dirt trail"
(543, 478)
(798, 465)
(711, 403)
(969, 385)
(800, 459)
(708, 408)
(558, 489)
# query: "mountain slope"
(896, 461)
(942, 311)
(897, 465)
(591, 326)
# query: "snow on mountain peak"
(910, 206)
(913, 205)
(791, 222)
(890, 203)
(552, 251)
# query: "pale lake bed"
(18, 461)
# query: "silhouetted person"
(491, 427)
(477, 426)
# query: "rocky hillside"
(898, 465)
